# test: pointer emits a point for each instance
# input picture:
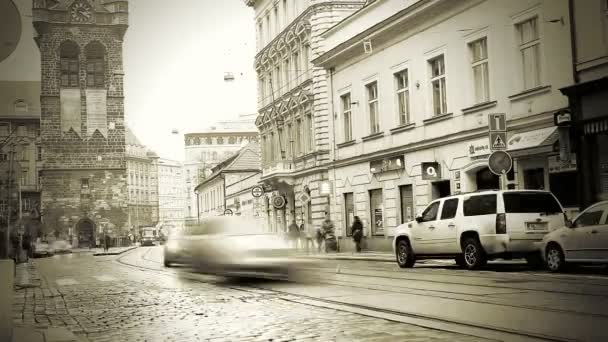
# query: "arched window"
(68, 56)
(96, 70)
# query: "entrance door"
(407, 203)
(441, 189)
(86, 233)
(377, 212)
(486, 180)
(349, 211)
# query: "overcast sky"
(175, 56)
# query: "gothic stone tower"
(83, 177)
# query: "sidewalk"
(113, 250)
(363, 256)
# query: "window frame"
(480, 63)
(69, 65)
(427, 209)
(347, 119)
(374, 121)
(531, 44)
(443, 207)
(441, 79)
(405, 91)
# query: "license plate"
(536, 226)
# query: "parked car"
(42, 249)
(61, 247)
(476, 227)
(582, 241)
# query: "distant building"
(171, 194)
(207, 148)
(229, 186)
(142, 183)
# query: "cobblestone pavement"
(101, 300)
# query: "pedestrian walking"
(319, 239)
(306, 235)
(357, 231)
(294, 233)
(329, 234)
(106, 244)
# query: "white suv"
(476, 227)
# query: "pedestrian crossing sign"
(498, 141)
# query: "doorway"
(86, 233)
(486, 180)
(441, 189)
(407, 203)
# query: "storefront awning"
(533, 139)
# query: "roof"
(130, 138)
(247, 159)
(244, 124)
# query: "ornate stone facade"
(84, 184)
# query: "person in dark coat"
(357, 231)
(294, 233)
(106, 244)
(329, 233)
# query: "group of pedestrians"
(304, 235)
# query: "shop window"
(534, 179)
(407, 203)
(441, 189)
(349, 211)
(377, 212)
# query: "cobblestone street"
(100, 300)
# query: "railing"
(281, 166)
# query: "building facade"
(412, 84)
(84, 177)
(587, 121)
(142, 184)
(224, 192)
(207, 148)
(171, 194)
(293, 117)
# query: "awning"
(531, 139)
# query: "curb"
(116, 253)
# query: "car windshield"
(531, 202)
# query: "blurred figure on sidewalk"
(319, 239)
(294, 233)
(306, 234)
(357, 231)
(106, 242)
(329, 233)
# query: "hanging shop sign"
(557, 165)
(387, 164)
(325, 188)
(278, 202)
(431, 171)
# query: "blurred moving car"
(240, 247)
(179, 245)
(60, 247)
(582, 241)
(42, 249)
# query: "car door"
(445, 235)
(587, 238)
(422, 231)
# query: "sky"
(175, 55)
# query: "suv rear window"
(480, 205)
(531, 202)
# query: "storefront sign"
(557, 165)
(479, 148)
(562, 118)
(431, 171)
(325, 188)
(378, 219)
(387, 164)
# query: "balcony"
(279, 167)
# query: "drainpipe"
(573, 48)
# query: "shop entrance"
(86, 233)
(486, 180)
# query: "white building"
(142, 183)
(293, 111)
(413, 82)
(171, 194)
(207, 148)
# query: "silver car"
(243, 247)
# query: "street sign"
(257, 191)
(304, 197)
(278, 202)
(325, 188)
(500, 162)
(498, 141)
(497, 122)
(431, 171)
(228, 212)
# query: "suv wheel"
(555, 258)
(405, 255)
(474, 255)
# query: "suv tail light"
(501, 224)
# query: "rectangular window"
(479, 63)
(285, 13)
(347, 117)
(280, 146)
(268, 36)
(377, 212)
(296, 68)
(24, 181)
(84, 184)
(403, 97)
(449, 208)
(299, 141)
(38, 152)
(372, 102)
(529, 46)
(289, 141)
(4, 130)
(261, 34)
(407, 203)
(306, 59)
(310, 133)
(272, 148)
(531, 202)
(277, 25)
(480, 205)
(438, 83)
(286, 74)
(279, 75)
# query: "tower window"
(69, 64)
(95, 66)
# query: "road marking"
(105, 278)
(66, 281)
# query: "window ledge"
(438, 118)
(403, 128)
(373, 136)
(479, 106)
(347, 143)
(530, 92)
